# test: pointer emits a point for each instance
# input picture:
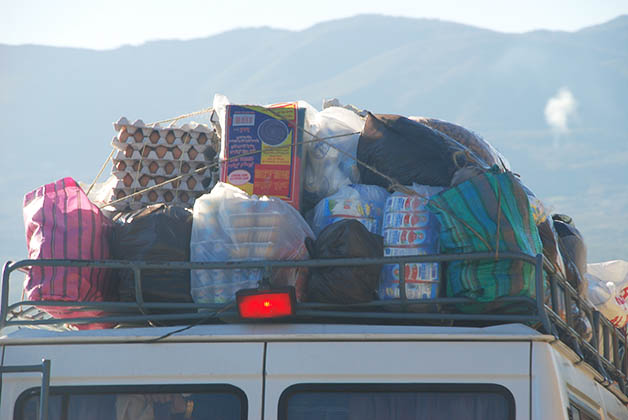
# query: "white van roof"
(277, 332)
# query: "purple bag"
(61, 223)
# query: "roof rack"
(551, 310)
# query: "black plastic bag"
(574, 251)
(409, 152)
(344, 239)
(550, 247)
(156, 233)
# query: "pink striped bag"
(61, 223)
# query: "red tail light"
(264, 304)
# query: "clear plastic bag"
(230, 225)
(364, 203)
(327, 168)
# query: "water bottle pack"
(230, 225)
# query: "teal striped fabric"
(468, 215)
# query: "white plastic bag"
(230, 225)
(327, 168)
(608, 290)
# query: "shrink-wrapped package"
(230, 225)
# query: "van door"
(122, 381)
(397, 380)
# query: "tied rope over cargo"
(169, 120)
(394, 185)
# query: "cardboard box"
(268, 141)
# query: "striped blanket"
(468, 215)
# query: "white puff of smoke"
(559, 108)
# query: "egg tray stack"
(150, 155)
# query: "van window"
(168, 402)
(397, 402)
(577, 411)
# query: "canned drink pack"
(396, 251)
(407, 219)
(415, 272)
(409, 237)
(406, 203)
(419, 290)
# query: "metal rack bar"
(608, 344)
(44, 369)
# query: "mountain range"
(57, 104)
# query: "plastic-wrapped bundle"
(467, 138)
(326, 168)
(230, 225)
(409, 228)
(364, 203)
(608, 290)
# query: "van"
(265, 356)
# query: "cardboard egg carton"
(138, 134)
(144, 147)
(140, 182)
(162, 153)
(159, 167)
(148, 155)
(137, 182)
(181, 198)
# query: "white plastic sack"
(608, 290)
(326, 168)
(230, 225)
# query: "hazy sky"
(108, 24)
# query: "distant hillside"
(57, 104)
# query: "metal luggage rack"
(548, 311)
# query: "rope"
(104, 165)
(394, 184)
(499, 218)
(180, 117)
(187, 140)
(139, 164)
(213, 165)
(191, 114)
